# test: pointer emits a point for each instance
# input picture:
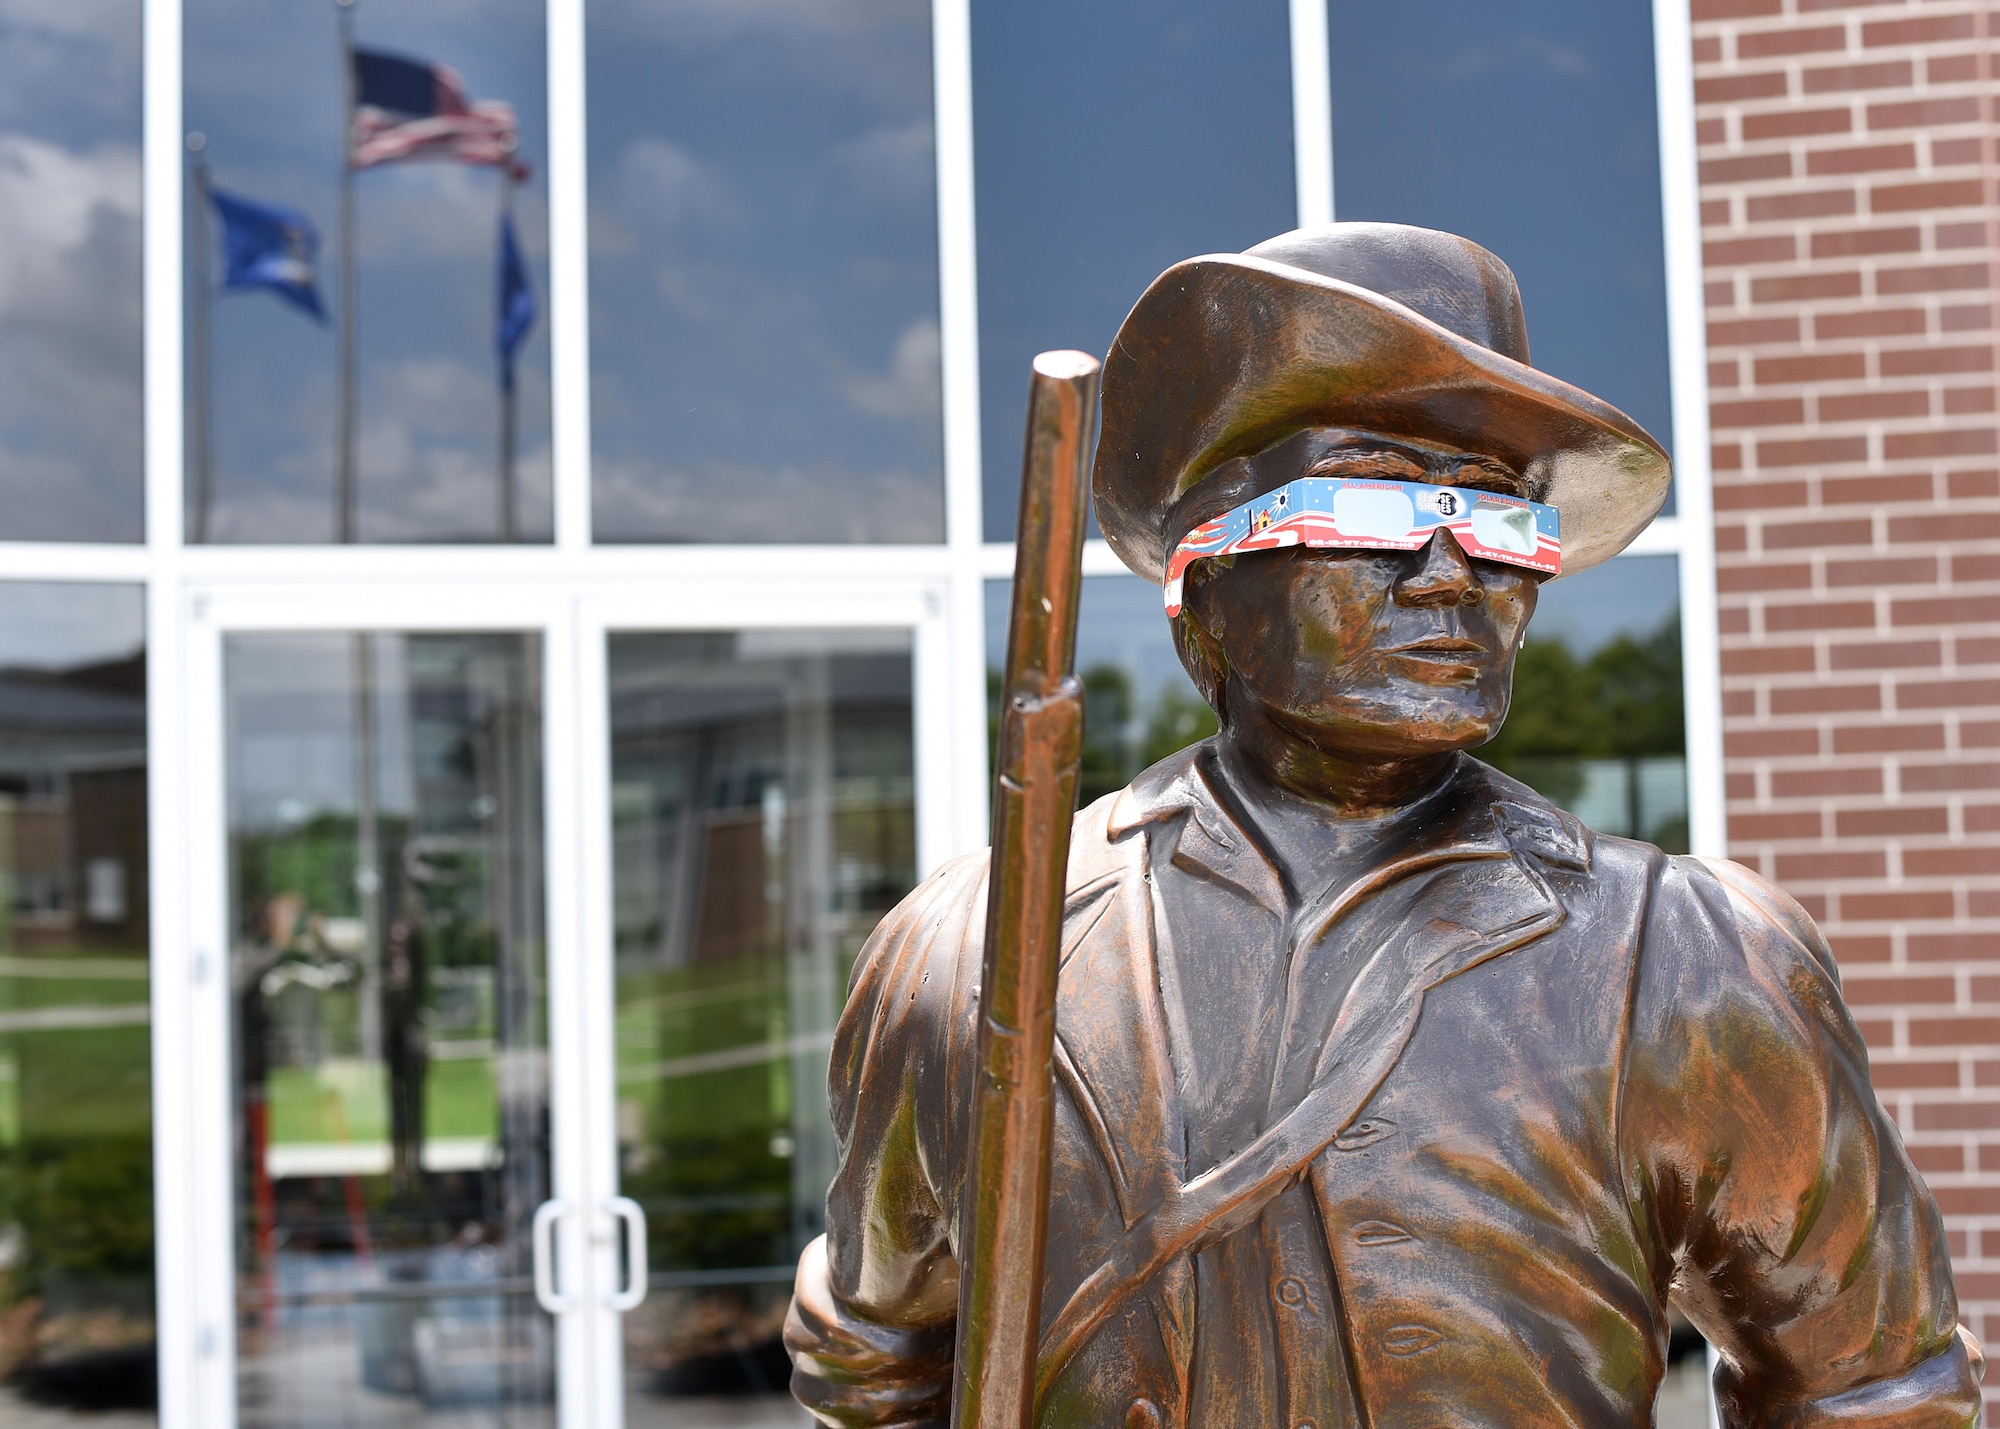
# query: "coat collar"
(1481, 813)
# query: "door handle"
(625, 1209)
(542, 1243)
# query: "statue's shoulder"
(1770, 925)
(915, 950)
(943, 919)
(941, 907)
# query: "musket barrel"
(1006, 1211)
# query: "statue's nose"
(1443, 576)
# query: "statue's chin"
(1384, 736)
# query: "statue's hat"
(1403, 331)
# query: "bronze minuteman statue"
(1385, 1092)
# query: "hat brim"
(1226, 354)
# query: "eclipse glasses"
(1369, 515)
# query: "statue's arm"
(1789, 1222)
(874, 1309)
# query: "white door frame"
(198, 1284)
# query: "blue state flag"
(517, 303)
(265, 245)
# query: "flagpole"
(344, 495)
(508, 532)
(199, 418)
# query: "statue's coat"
(1566, 1080)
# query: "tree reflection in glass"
(76, 1163)
(1596, 723)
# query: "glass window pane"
(76, 1153)
(391, 1041)
(69, 271)
(1596, 724)
(440, 447)
(763, 820)
(1546, 152)
(1116, 137)
(764, 305)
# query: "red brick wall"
(1849, 222)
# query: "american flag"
(408, 109)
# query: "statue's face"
(1372, 655)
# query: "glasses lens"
(1504, 528)
(1374, 513)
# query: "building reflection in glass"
(69, 272)
(433, 440)
(1114, 139)
(76, 1162)
(391, 1042)
(763, 267)
(763, 821)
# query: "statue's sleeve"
(1788, 1221)
(874, 1308)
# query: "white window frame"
(572, 592)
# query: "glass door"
(772, 777)
(387, 968)
(389, 1187)
(534, 921)
(763, 817)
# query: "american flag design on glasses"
(1362, 514)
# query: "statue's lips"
(1439, 646)
(1441, 659)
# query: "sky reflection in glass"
(263, 86)
(69, 271)
(1115, 138)
(764, 305)
(1530, 128)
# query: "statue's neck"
(1328, 821)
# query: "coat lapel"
(1461, 895)
(1114, 1017)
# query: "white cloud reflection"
(896, 161)
(69, 341)
(428, 462)
(62, 624)
(765, 362)
(912, 387)
(666, 186)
